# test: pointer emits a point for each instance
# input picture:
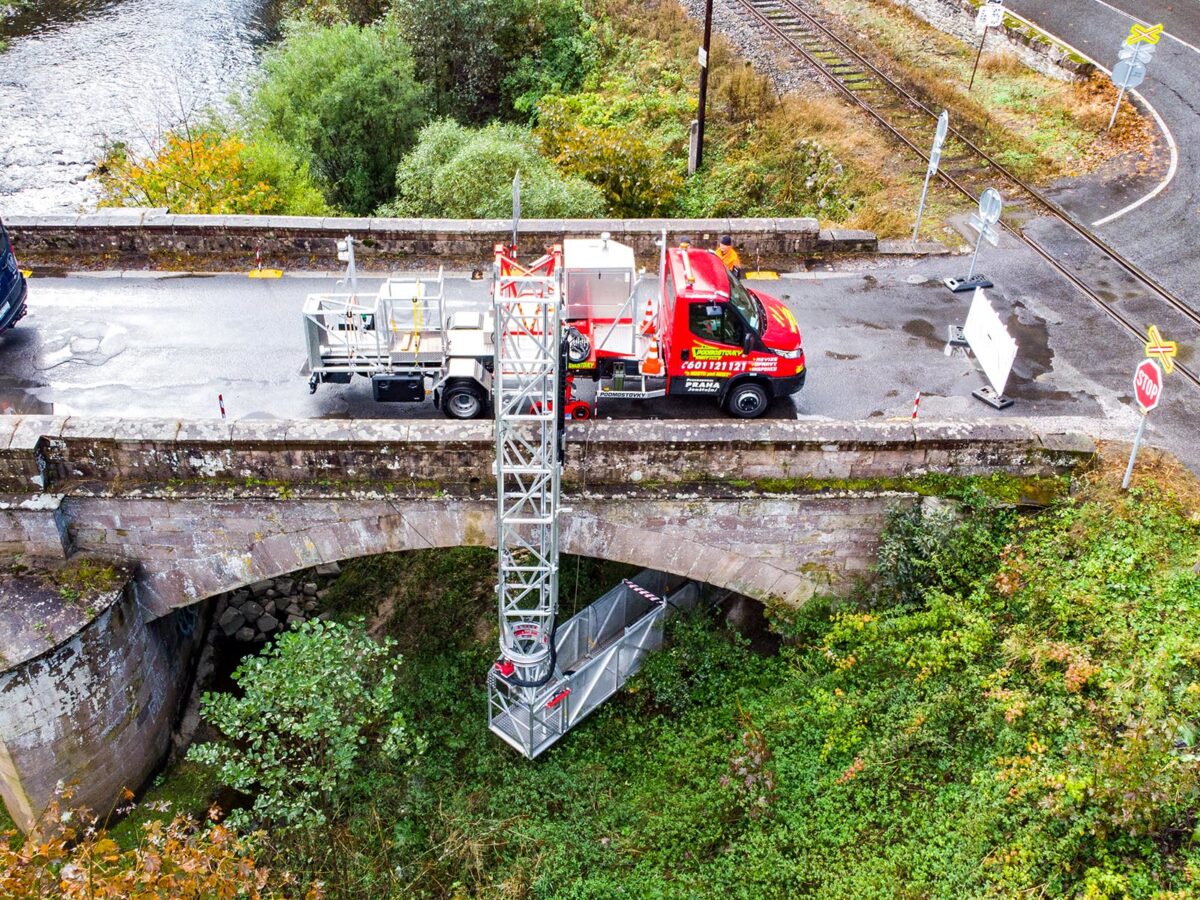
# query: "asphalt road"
(1162, 235)
(874, 332)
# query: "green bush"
(766, 172)
(637, 179)
(316, 705)
(1014, 715)
(488, 58)
(625, 129)
(459, 172)
(555, 48)
(344, 97)
(697, 667)
(947, 548)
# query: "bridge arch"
(783, 548)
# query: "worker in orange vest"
(729, 256)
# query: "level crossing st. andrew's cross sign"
(1164, 351)
(1144, 34)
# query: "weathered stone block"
(231, 620)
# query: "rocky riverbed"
(79, 74)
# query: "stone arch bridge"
(89, 691)
(773, 510)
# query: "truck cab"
(721, 339)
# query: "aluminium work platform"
(598, 650)
(403, 327)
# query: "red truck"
(694, 330)
(700, 333)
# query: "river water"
(80, 72)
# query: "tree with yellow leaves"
(210, 170)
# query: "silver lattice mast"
(528, 422)
(549, 678)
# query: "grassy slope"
(1037, 126)
(1025, 725)
(758, 161)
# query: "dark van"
(12, 285)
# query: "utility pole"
(708, 5)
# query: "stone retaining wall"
(1035, 48)
(262, 609)
(151, 237)
(93, 712)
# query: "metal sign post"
(516, 191)
(1147, 389)
(1126, 74)
(991, 204)
(989, 16)
(935, 157)
(708, 10)
(1132, 59)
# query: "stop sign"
(1147, 384)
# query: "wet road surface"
(874, 332)
(1161, 236)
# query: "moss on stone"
(1011, 489)
(84, 577)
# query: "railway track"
(1116, 284)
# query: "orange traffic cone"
(647, 326)
(652, 364)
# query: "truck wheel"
(463, 401)
(747, 401)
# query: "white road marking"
(1166, 34)
(1174, 166)
(817, 276)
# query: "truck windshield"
(745, 304)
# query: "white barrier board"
(990, 341)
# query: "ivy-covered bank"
(1010, 709)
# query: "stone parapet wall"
(136, 238)
(353, 458)
(32, 525)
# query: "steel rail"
(825, 69)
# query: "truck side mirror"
(748, 342)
